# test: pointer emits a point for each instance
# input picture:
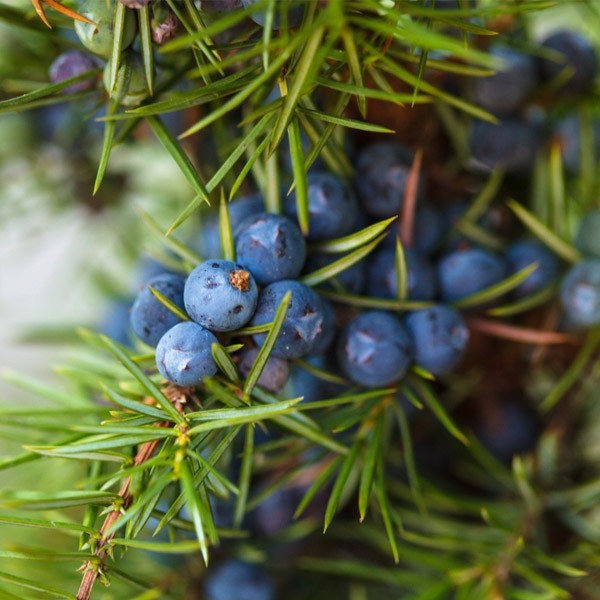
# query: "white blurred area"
(52, 245)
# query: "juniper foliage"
(115, 467)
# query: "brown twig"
(179, 396)
(521, 334)
(409, 201)
(93, 567)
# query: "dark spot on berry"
(237, 309)
(215, 265)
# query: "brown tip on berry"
(240, 280)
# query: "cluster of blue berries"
(521, 95)
(373, 348)
(220, 301)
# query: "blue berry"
(568, 135)
(149, 268)
(440, 338)
(115, 323)
(383, 283)
(381, 173)
(507, 90)
(220, 295)
(428, 229)
(580, 293)
(150, 319)
(325, 337)
(312, 388)
(511, 144)
(588, 235)
(465, 272)
(332, 207)
(276, 511)
(375, 349)
(184, 354)
(271, 247)
(508, 430)
(578, 54)
(238, 580)
(240, 208)
(275, 372)
(352, 279)
(70, 64)
(303, 322)
(220, 5)
(293, 9)
(98, 38)
(523, 253)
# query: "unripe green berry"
(131, 74)
(99, 38)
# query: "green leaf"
(182, 100)
(355, 68)
(574, 373)
(225, 233)
(23, 101)
(176, 246)
(373, 452)
(265, 350)
(384, 505)
(524, 304)
(143, 379)
(544, 234)
(182, 547)
(240, 149)
(354, 240)
(247, 91)
(107, 145)
(388, 96)
(253, 329)
(498, 289)
(28, 584)
(27, 383)
(401, 272)
(271, 200)
(245, 477)
(43, 524)
(169, 304)
(318, 484)
(145, 29)
(105, 442)
(34, 500)
(323, 374)
(394, 68)
(439, 411)
(227, 417)
(193, 504)
(345, 121)
(307, 65)
(340, 265)
(300, 172)
(348, 464)
(118, 29)
(136, 405)
(224, 362)
(178, 155)
(409, 459)
(372, 302)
